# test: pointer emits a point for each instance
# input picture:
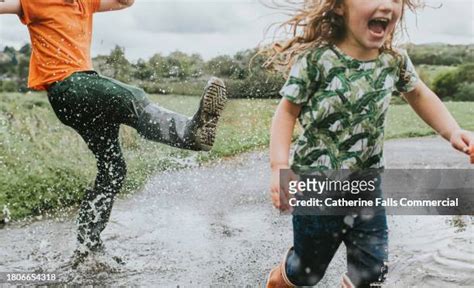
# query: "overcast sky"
(218, 27)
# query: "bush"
(9, 86)
(261, 85)
(444, 85)
(226, 67)
(465, 92)
(466, 73)
(455, 84)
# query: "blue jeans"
(317, 238)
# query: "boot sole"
(213, 102)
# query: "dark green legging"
(95, 106)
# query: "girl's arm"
(281, 133)
(10, 7)
(280, 142)
(430, 108)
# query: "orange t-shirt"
(61, 34)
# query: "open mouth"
(378, 25)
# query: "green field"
(402, 121)
(44, 165)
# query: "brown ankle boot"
(277, 277)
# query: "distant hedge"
(441, 54)
(258, 86)
(456, 85)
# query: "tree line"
(243, 71)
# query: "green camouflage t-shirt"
(344, 106)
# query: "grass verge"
(45, 166)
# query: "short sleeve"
(302, 75)
(25, 12)
(407, 78)
(93, 5)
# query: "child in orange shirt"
(95, 106)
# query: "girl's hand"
(462, 140)
(280, 195)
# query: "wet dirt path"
(214, 226)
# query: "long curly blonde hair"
(315, 24)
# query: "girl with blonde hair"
(344, 70)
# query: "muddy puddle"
(214, 226)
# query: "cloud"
(448, 17)
(12, 32)
(209, 28)
(196, 18)
(227, 26)
(449, 21)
